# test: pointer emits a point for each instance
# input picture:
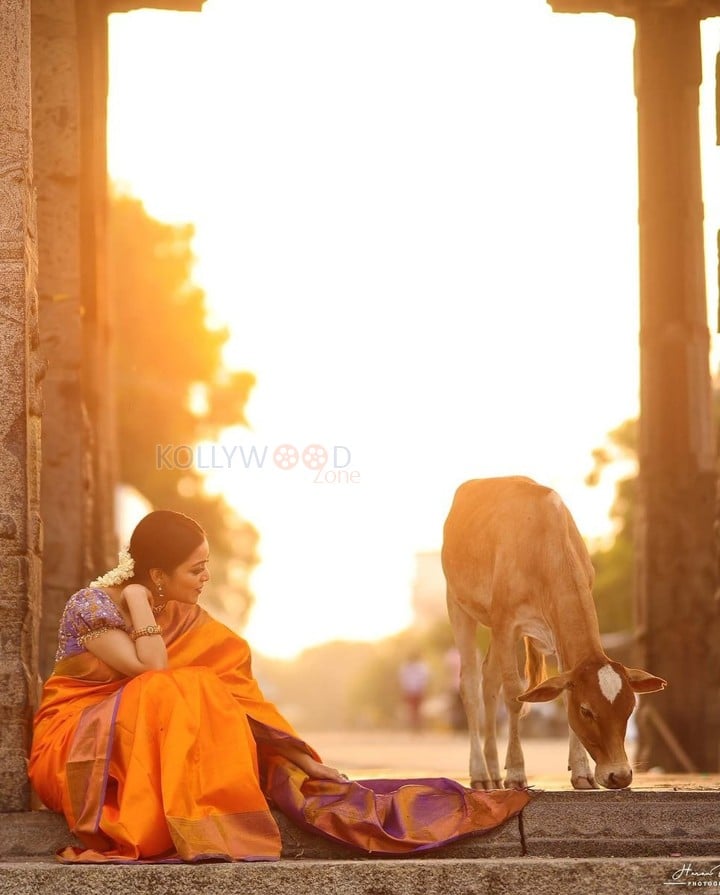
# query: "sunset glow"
(419, 220)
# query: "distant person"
(156, 743)
(414, 680)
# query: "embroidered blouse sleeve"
(88, 613)
(94, 613)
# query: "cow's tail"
(535, 670)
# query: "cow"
(515, 562)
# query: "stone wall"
(20, 372)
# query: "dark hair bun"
(162, 540)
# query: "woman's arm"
(120, 651)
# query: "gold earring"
(160, 606)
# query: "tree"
(615, 565)
(165, 353)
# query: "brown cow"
(515, 562)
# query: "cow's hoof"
(486, 785)
(516, 784)
(587, 782)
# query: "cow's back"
(512, 534)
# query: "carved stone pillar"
(69, 67)
(70, 82)
(20, 372)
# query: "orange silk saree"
(179, 764)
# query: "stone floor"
(398, 753)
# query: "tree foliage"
(615, 565)
(165, 353)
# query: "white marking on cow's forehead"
(610, 682)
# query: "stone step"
(624, 824)
(514, 876)
(628, 823)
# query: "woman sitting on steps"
(155, 742)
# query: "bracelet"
(146, 632)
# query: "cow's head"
(600, 699)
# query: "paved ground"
(393, 753)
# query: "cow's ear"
(549, 689)
(643, 682)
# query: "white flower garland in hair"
(122, 571)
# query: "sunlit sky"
(419, 219)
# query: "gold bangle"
(146, 632)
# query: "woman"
(155, 742)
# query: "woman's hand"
(314, 769)
(318, 771)
(138, 601)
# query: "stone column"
(69, 95)
(677, 612)
(20, 371)
(677, 615)
(69, 68)
(99, 387)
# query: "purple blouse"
(88, 613)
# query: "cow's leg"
(464, 630)
(491, 683)
(581, 776)
(512, 687)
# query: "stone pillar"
(20, 371)
(677, 613)
(99, 388)
(79, 473)
(69, 67)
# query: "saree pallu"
(179, 765)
